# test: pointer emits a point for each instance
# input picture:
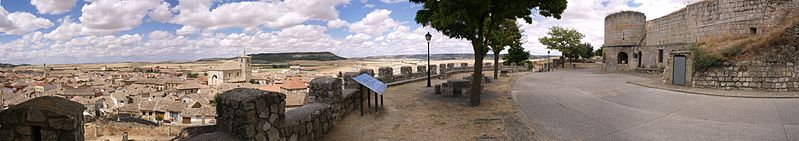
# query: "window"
(752, 30)
(660, 56)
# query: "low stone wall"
(750, 75)
(42, 118)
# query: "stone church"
(231, 72)
(633, 43)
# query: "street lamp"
(428, 36)
(549, 67)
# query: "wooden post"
(368, 98)
(360, 91)
(381, 100)
(376, 108)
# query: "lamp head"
(428, 36)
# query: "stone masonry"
(385, 73)
(43, 118)
(251, 114)
(748, 75)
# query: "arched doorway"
(213, 80)
(622, 58)
(640, 57)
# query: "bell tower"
(244, 64)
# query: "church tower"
(244, 64)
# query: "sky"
(100, 31)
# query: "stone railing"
(750, 75)
(386, 74)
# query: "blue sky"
(93, 31)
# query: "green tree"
(516, 55)
(598, 52)
(586, 51)
(506, 34)
(474, 19)
(565, 40)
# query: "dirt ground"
(114, 131)
(413, 112)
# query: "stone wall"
(625, 28)
(43, 118)
(683, 28)
(385, 73)
(748, 75)
(251, 114)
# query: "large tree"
(506, 34)
(474, 19)
(565, 40)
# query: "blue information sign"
(371, 83)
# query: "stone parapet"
(251, 114)
(51, 118)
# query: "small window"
(753, 31)
(660, 56)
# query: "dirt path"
(413, 112)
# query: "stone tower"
(244, 64)
(624, 33)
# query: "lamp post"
(428, 36)
(549, 67)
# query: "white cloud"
(21, 23)
(272, 14)
(187, 30)
(115, 15)
(393, 1)
(161, 12)
(53, 6)
(375, 23)
(338, 23)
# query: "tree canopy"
(565, 40)
(516, 54)
(473, 20)
(506, 34)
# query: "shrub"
(704, 61)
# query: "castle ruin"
(632, 43)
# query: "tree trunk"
(477, 76)
(496, 65)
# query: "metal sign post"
(372, 85)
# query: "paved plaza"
(582, 105)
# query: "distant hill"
(4, 65)
(264, 58)
(450, 56)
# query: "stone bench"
(485, 78)
(458, 85)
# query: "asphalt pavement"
(582, 105)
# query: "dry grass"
(741, 47)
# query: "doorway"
(678, 76)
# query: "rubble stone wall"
(43, 118)
(750, 75)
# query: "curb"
(708, 94)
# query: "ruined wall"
(748, 75)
